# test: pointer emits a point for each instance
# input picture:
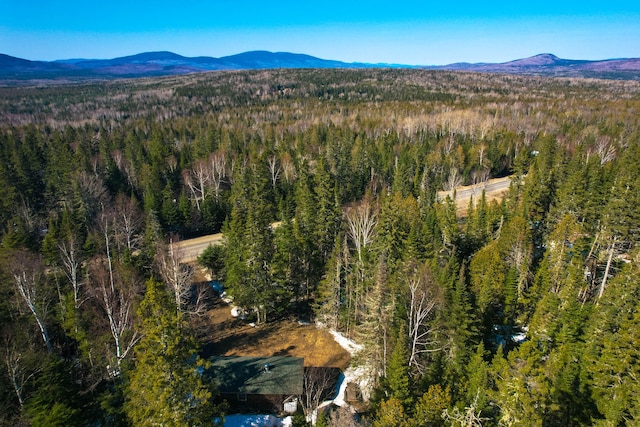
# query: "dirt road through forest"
(495, 189)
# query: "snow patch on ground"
(360, 375)
(349, 345)
(357, 375)
(239, 420)
(504, 334)
(238, 312)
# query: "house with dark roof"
(251, 384)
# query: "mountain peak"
(546, 57)
(537, 60)
(152, 56)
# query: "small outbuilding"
(252, 384)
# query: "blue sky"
(408, 32)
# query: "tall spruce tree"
(398, 379)
(166, 386)
(611, 357)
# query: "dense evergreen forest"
(98, 317)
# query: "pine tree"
(260, 291)
(166, 386)
(448, 223)
(373, 329)
(541, 184)
(462, 328)
(429, 408)
(284, 265)
(391, 414)
(611, 356)
(397, 217)
(487, 275)
(55, 400)
(213, 259)
(328, 212)
(329, 301)
(236, 243)
(477, 387)
(523, 389)
(169, 212)
(398, 379)
(304, 230)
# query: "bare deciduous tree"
(179, 279)
(288, 167)
(28, 216)
(105, 225)
(126, 168)
(117, 303)
(481, 150)
(26, 271)
(71, 264)
(18, 370)
(116, 295)
(449, 143)
(453, 180)
(342, 416)
(128, 222)
(610, 251)
(422, 304)
(361, 223)
(197, 180)
(605, 149)
(218, 162)
(172, 163)
(468, 417)
(274, 169)
(480, 179)
(317, 386)
(92, 193)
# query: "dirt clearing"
(229, 336)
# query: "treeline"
(96, 180)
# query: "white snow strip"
(339, 400)
(349, 345)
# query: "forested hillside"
(521, 313)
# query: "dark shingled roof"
(242, 374)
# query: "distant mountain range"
(550, 65)
(157, 64)
(167, 63)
